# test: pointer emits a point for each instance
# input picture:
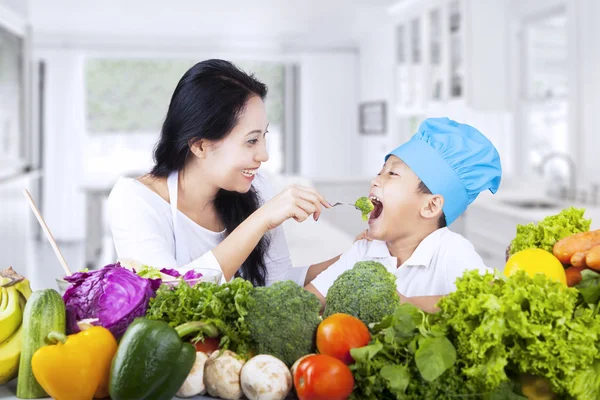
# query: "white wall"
(63, 199)
(308, 23)
(328, 118)
(20, 7)
(376, 69)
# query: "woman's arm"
(237, 246)
(294, 202)
(139, 233)
(316, 269)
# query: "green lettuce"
(550, 230)
(502, 328)
(149, 272)
(224, 306)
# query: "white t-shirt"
(142, 226)
(431, 270)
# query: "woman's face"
(232, 163)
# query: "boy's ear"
(432, 209)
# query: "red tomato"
(208, 346)
(322, 377)
(339, 333)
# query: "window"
(545, 90)
(12, 135)
(131, 96)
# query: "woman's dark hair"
(425, 190)
(206, 104)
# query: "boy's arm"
(314, 291)
(425, 303)
(458, 262)
(316, 269)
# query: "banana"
(10, 351)
(3, 299)
(24, 287)
(11, 317)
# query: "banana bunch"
(14, 292)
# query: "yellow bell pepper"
(77, 367)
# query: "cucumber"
(44, 313)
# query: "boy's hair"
(425, 190)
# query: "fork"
(344, 204)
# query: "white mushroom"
(194, 383)
(266, 377)
(222, 375)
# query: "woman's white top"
(150, 230)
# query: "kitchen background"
(84, 87)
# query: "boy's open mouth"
(378, 207)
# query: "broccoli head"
(367, 291)
(283, 320)
(365, 206)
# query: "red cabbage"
(192, 275)
(172, 272)
(113, 295)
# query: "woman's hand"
(298, 202)
(363, 236)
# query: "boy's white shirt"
(431, 270)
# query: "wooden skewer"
(46, 230)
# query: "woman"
(203, 203)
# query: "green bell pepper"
(152, 362)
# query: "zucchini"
(44, 313)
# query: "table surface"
(7, 392)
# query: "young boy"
(424, 185)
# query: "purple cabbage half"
(111, 297)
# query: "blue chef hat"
(454, 160)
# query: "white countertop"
(8, 392)
(531, 192)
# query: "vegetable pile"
(154, 333)
(489, 335)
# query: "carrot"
(593, 258)
(578, 259)
(565, 248)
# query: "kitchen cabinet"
(18, 227)
(16, 146)
(490, 231)
(450, 51)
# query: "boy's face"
(400, 208)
